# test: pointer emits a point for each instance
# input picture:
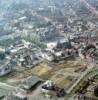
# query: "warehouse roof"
(30, 82)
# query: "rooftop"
(5, 90)
(3, 62)
(16, 97)
(30, 82)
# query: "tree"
(96, 91)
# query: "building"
(47, 55)
(30, 83)
(15, 96)
(5, 67)
(5, 90)
(50, 88)
(60, 52)
(27, 57)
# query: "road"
(42, 17)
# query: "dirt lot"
(59, 73)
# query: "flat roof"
(5, 90)
(30, 82)
(4, 62)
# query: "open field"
(61, 74)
